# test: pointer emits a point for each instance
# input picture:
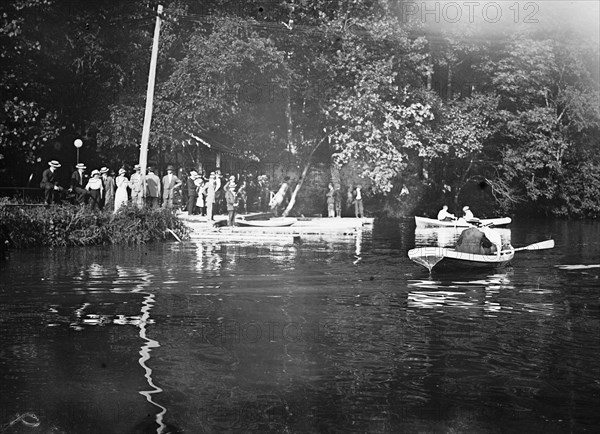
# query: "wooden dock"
(305, 228)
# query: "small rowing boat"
(443, 257)
(425, 222)
(276, 222)
(447, 258)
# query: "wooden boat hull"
(271, 223)
(460, 223)
(450, 259)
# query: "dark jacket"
(230, 197)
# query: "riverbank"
(73, 225)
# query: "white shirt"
(443, 214)
(494, 237)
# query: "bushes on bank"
(73, 225)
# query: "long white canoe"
(460, 223)
(276, 222)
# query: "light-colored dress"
(121, 197)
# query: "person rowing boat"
(444, 215)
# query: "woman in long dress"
(121, 196)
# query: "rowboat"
(425, 222)
(447, 258)
(276, 222)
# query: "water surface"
(325, 336)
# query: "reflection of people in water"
(444, 215)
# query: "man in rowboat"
(444, 215)
(474, 241)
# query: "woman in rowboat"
(468, 214)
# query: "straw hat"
(104, 170)
(80, 166)
(54, 163)
(465, 208)
(122, 171)
(95, 172)
(137, 167)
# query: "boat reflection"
(447, 236)
(465, 292)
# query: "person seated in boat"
(444, 215)
(474, 241)
(468, 214)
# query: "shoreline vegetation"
(74, 225)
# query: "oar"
(548, 244)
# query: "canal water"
(320, 336)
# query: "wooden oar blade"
(548, 244)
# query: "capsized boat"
(461, 222)
(444, 257)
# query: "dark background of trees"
(503, 116)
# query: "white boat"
(276, 222)
(460, 223)
(450, 259)
(442, 257)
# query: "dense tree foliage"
(458, 110)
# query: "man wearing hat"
(152, 188)
(78, 181)
(50, 183)
(136, 182)
(109, 189)
(192, 192)
(231, 200)
(170, 183)
(468, 215)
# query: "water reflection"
(472, 292)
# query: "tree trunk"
(292, 202)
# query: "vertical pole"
(150, 95)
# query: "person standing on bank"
(121, 196)
(231, 200)
(136, 183)
(109, 189)
(50, 183)
(330, 201)
(337, 201)
(170, 183)
(211, 187)
(358, 202)
(152, 189)
(95, 189)
(78, 180)
(192, 192)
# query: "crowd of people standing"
(198, 194)
(102, 190)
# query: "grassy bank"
(72, 225)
